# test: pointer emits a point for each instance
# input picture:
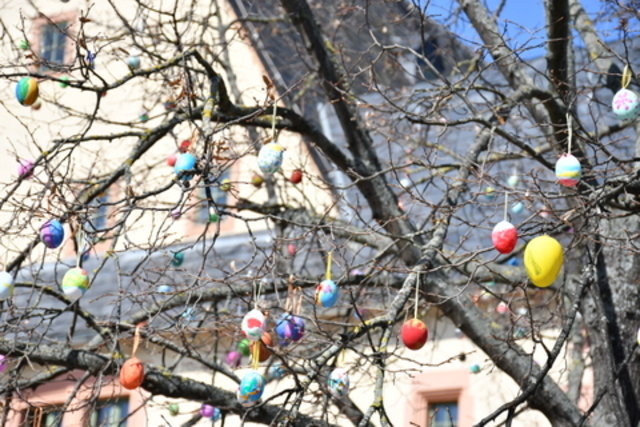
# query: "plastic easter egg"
(64, 82)
(290, 328)
(517, 207)
(75, 283)
(184, 146)
(257, 180)
(625, 104)
(177, 259)
(185, 162)
(4, 362)
(171, 160)
(217, 414)
(270, 157)
(176, 213)
(225, 185)
(513, 180)
(143, 116)
(291, 249)
(174, 409)
(502, 308)
(27, 90)
(206, 410)
(490, 193)
(25, 169)
(36, 105)
(414, 334)
(543, 260)
(233, 359)
(52, 233)
(132, 373)
(251, 388)
(276, 371)
(164, 289)
(327, 293)
(296, 176)
(253, 325)
(23, 44)
(133, 62)
(263, 350)
(504, 237)
(244, 347)
(474, 369)
(6, 284)
(568, 170)
(338, 382)
(513, 262)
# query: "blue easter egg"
(289, 328)
(251, 388)
(327, 293)
(276, 371)
(52, 233)
(185, 162)
(517, 207)
(164, 289)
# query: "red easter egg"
(184, 146)
(291, 249)
(414, 334)
(171, 160)
(296, 176)
(504, 237)
(132, 373)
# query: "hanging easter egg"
(257, 180)
(513, 180)
(263, 347)
(165, 289)
(543, 259)
(296, 176)
(132, 373)
(290, 328)
(27, 90)
(169, 105)
(23, 45)
(504, 237)
(75, 283)
(6, 284)
(133, 62)
(36, 105)
(52, 233)
(338, 382)
(270, 157)
(206, 410)
(251, 388)
(217, 414)
(414, 334)
(64, 82)
(568, 170)
(185, 162)
(176, 213)
(475, 368)
(225, 185)
(253, 325)
(172, 159)
(638, 337)
(502, 308)
(517, 207)
(625, 104)
(276, 371)
(174, 409)
(233, 359)
(25, 169)
(4, 362)
(183, 147)
(327, 293)
(490, 193)
(244, 347)
(291, 249)
(177, 259)
(143, 116)
(513, 262)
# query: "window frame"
(35, 40)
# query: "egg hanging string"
(415, 308)
(626, 76)
(327, 275)
(569, 132)
(136, 339)
(506, 205)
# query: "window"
(443, 414)
(110, 413)
(53, 44)
(48, 416)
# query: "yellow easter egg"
(543, 259)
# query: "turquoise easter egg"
(327, 293)
(626, 105)
(338, 382)
(186, 162)
(27, 90)
(251, 388)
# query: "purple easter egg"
(233, 359)
(206, 410)
(25, 169)
(52, 233)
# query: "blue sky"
(522, 20)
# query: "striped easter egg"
(27, 90)
(568, 170)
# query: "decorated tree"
(204, 197)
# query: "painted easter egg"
(27, 90)
(25, 169)
(270, 157)
(171, 160)
(504, 237)
(177, 259)
(133, 62)
(183, 147)
(52, 233)
(263, 350)
(23, 44)
(165, 289)
(253, 324)
(625, 104)
(638, 336)
(6, 284)
(502, 308)
(132, 373)
(225, 185)
(143, 116)
(174, 409)
(184, 163)
(244, 347)
(513, 262)
(568, 170)
(206, 410)
(176, 213)
(251, 388)
(64, 82)
(233, 359)
(4, 362)
(289, 328)
(513, 180)
(517, 207)
(543, 260)
(327, 293)
(296, 176)
(338, 382)
(75, 283)
(291, 249)
(276, 371)
(490, 193)
(474, 369)
(414, 334)
(217, 414)
(257, 180)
